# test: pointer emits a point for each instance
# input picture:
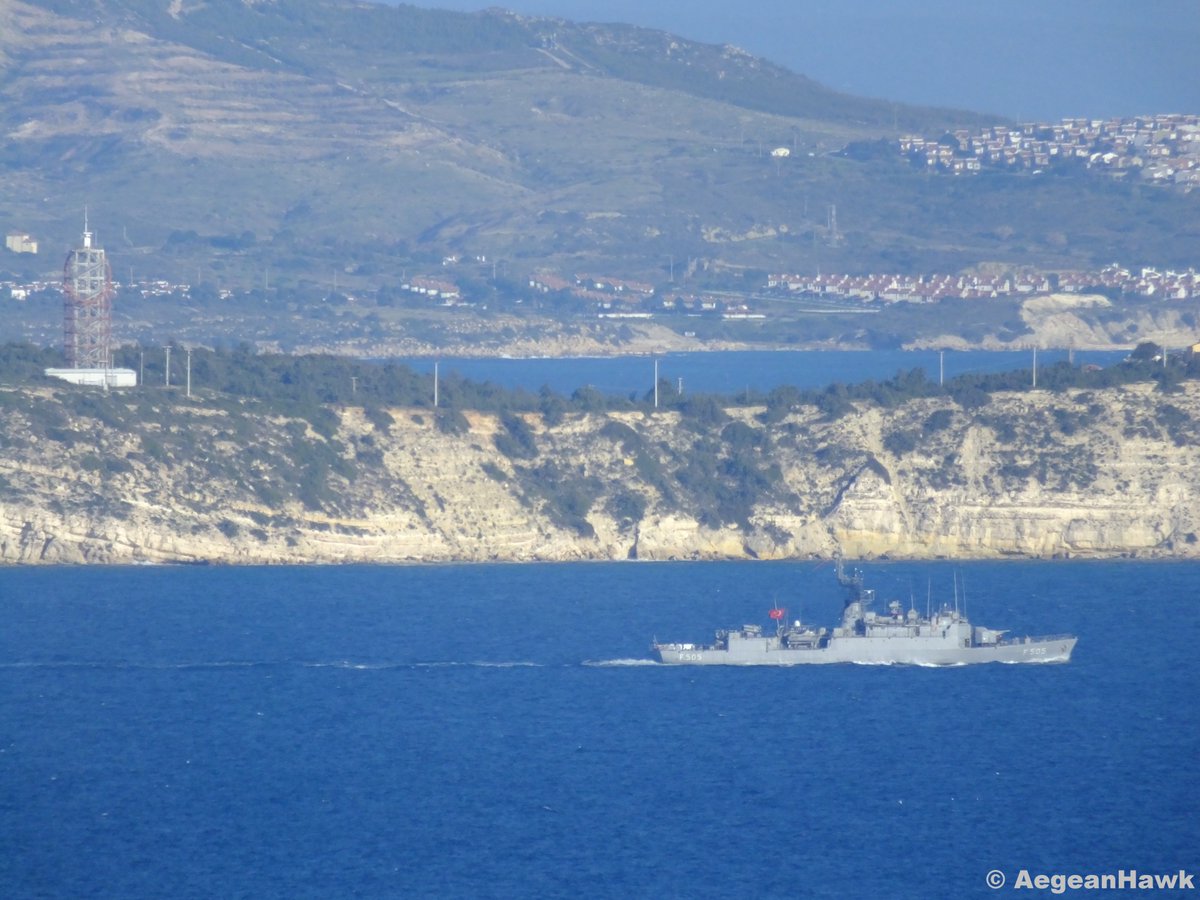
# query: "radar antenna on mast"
(87, 309)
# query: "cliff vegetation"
(317, 459)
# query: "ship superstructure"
(942, 638)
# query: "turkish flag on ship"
(776, 613)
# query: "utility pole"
(1035, 366)
(353, 385)
(941, 368)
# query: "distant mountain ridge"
(338, 38)
(305, 137)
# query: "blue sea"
(733, 372)
(497, 731)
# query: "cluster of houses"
(620, 298)
(157, 288)
(618, 295)
(19, 242)
(443, 290)
(910, 288)
(1161, 149)
(22, 290)
(623, 298)
(1147, 282)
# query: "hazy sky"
(1041, 59)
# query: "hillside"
(307, 141)
(152, 476)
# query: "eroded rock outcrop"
(1081, 473)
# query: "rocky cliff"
(1081, 321)
(165, 479)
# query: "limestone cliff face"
(1096, 473)
(1082, 321)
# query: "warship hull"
(895, 637)
(768, 651)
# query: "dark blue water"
(487, 731)
(737, 371)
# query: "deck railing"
(1032, 639)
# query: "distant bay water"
(732, 372)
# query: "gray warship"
(942, 638)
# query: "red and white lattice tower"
(87, 312)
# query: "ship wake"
(437, 664)
(620, 663)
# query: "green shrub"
(378, 417)
(878, 468)
(269, 494)
(834, 403)
(703, 410)
(452, 421)
(1006, 430)
(1178, 424)
(313, 489)
(970, 397)
(781, 401)
(620, 433)
(740, 436)
(324, 420)
(626, 506)
(900, 443)
(939, 420)
(569, 495)
(516, 441)
(552, 407)
(369, 456)
(116, 466)
(588, 399)
(64, 436)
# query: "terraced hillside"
(236, 143)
